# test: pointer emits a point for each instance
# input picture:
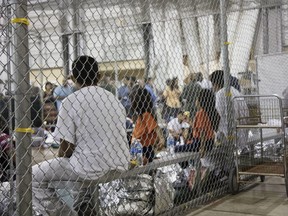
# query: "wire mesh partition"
(265, 153)
(125, 107)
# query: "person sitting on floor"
(205, 123)
(177, 126)
(146, 127)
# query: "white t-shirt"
(240, 110)
(94, 120)
(176, 126)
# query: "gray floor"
(267, 198)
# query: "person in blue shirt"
(150, 88)
(61, 92)
(123, 94)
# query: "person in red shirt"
(204, 125)
(146, 127)
(206, 121)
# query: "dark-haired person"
(123, 95)
(48, 93)
(172, 95)
(151, 89)
(106, 84)
(190, 94)
(234, 82)
(146, 127)
(177, 126)
(206, 122)
(240, 108)
(49, 107)
(93, 140)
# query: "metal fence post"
(147, 36)
(22, 112)
(9, 50)
(76, 28)
(226, 69)
(64, 8)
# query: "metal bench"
(93, 186)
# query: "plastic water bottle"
(170, 146)
(136, 152)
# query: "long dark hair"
(174, 84)
(141, 101)
(3, 125)
(207, 102)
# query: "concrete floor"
(268, 198)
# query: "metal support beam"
(226, 69)
(64, 5)
(22, 114)
(265, 30)
(76, 28)
(147, 36)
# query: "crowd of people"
(92, 119)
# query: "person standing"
(240, 108)
(150, 88)
(190, 94)
(123, 95)
(106, 84)
(92, 135)
(172, 99)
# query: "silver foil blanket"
(131, 196)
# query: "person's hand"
(160, 145)
(176, 135)
(202, 152)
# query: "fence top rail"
(165, 161)
(259, 96)
(157, 163)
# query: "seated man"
(92, 134)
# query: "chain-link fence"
(125, 107)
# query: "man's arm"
(66, 149)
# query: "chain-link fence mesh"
(125, 107)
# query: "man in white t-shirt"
(177, 125)
(92, 135)
(240, 109)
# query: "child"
(146, 127)
(205, 123)
(177, 126)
